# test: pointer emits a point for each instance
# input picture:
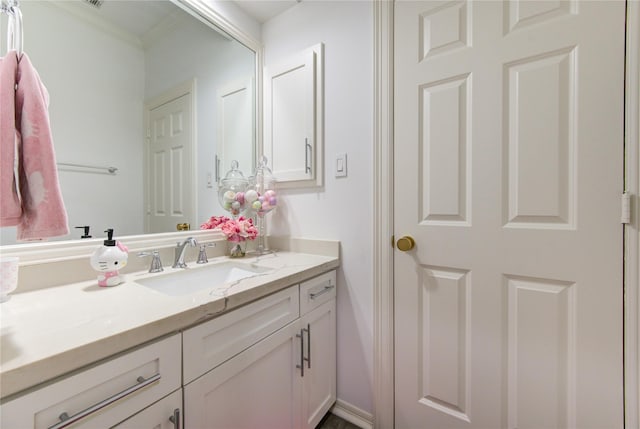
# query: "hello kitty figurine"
(108, 259)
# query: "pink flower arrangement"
(236, 230)
(214, 222)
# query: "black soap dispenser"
(86, 229)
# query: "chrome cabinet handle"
(302, 359)
(308, 358)
(217, 162)
(65, 420)
(175, 418)
(326, 289)
(308, 150)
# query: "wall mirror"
(149, 102)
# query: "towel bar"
(109, 170)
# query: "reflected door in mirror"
(170, 165)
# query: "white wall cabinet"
(293, 128)
(286, 380)
(103, 395)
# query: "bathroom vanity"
(254, 352)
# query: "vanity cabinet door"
(211, 343)
(318, 328)
(319, 381)
(164, 414)
(258, 388)
(103, 395)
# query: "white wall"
(214, 63)
(342, 208)
(96, 116)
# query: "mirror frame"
(63, 250)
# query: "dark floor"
(334, 422)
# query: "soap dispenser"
(108, 259)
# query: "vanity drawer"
(317, 291)
(103, 395)
(211, 343)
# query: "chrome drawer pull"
(308, 358)
(301, 366)
(65, 420)
(175, 418)
(323, 291)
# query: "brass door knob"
(183, 227)
(405, 243)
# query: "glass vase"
(262, 199)
(231, 191)
(237, 249)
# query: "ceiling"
(264, 10)
(141, 16)
(137, 17)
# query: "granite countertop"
(49, 332)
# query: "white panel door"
(508, 156)
(170, 165)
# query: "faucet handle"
(156, 262)
(202, 255)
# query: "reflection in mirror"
(151, 90)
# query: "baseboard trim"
(353, 414)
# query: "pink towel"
(10, 207)
(43, 214)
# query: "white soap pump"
(108, 259)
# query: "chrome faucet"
(179, 252)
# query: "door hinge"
(625, 217)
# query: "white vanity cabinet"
(268, 364)
(103, 395)
(286, 379)
(318, 331)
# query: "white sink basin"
(190, 280)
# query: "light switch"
(341, 165)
